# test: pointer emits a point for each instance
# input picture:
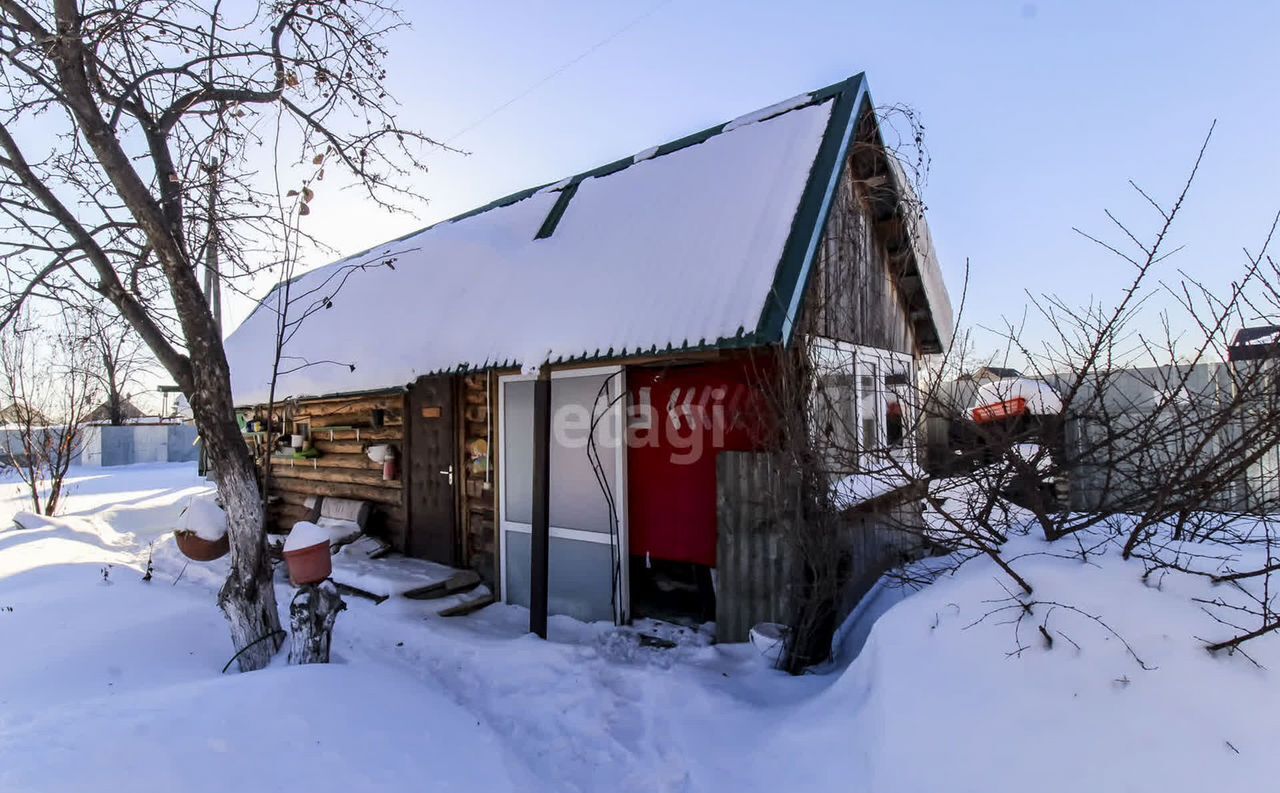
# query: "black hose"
(276, 632)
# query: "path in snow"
(115, 686)
(587, 711)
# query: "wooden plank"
(285, 515)
(753, 558)
(392, 433)
(358, 462)
(350, 404)
(347, 589)
(456, 584)
(468, 607)
(343, 475)
(377, 495)
(337, 447)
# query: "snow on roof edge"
(661, 150)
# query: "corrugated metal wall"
(757, 566)
(754, 569)
(104, 445)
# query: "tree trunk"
(248, 598)
(312, 614)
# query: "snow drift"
(113, 684)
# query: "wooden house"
(633, 307)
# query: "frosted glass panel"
(577, 500)
(517, 450)
(580, 580)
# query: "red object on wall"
(1009, 408)
(678, 419)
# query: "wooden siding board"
(854, 295)
(753, 575)
(758, 567)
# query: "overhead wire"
(558, 71)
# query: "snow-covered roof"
(1041, 398)
(681, 247)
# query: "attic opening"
(548, 226)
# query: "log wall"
(342, 430)
(479, 516)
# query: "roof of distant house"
(102, 413)
(1256, 343)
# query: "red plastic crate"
(998, 411)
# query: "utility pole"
(212, 281)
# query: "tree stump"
(312, 614)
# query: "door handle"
(448, 473)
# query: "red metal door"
(679, 419)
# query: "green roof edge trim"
(777, 319)
(557, 211)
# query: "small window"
(863, 408)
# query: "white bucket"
(770, 640)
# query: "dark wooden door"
(432, 469)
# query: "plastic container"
(306, 552)
(770, 640)
(198, 549)
(309, 565)
(1006, 409)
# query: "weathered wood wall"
(759, 568)
(342, 430)
(855, 290)
(861, 291)
(754, 566)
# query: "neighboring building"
(138, 441)
(1126, 432)
(658, 291)
(987, 374)
(102, 414)
(15, 415)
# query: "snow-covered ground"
(111, 683)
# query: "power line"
(558, 71)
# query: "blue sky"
(1037, 113)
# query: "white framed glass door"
(588, 552)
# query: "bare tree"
(1130, 432)
(49, 383)
(115, 118)
(123, 362)
(1161, 444)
